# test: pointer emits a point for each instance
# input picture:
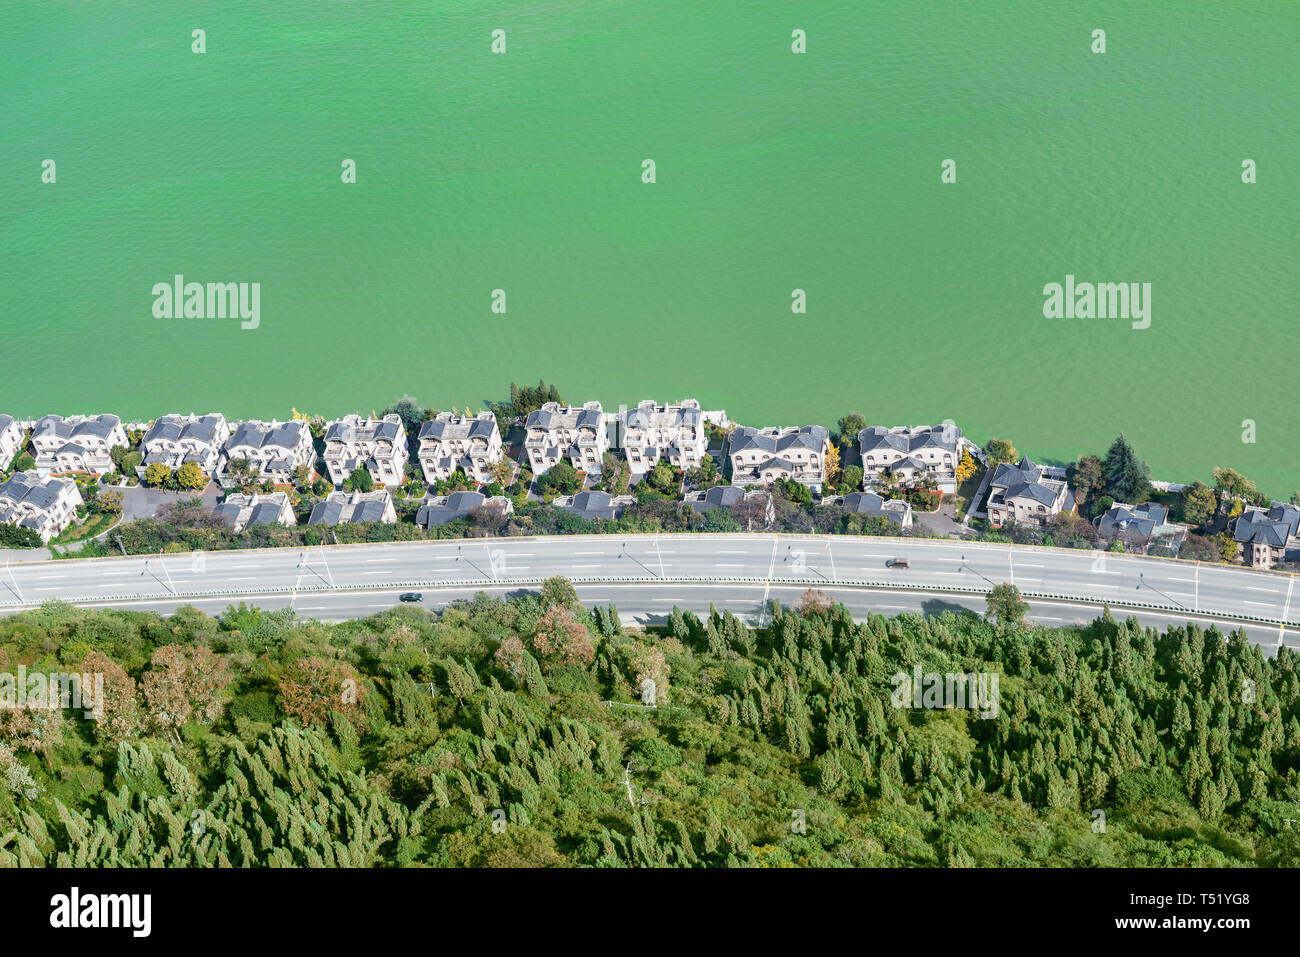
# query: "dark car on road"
(411, 596)
(898, 563)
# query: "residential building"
(556, 432)
(1263, 535)
(1138, 527)
(44, 504)
(274, 449)
(341, 507)
(909, 456)
(173, 440)
(240, 511)
(756, 503)
(79, 443)
(871, 505)
(11, 440)
(377, 445)
(1024, 493)
(761, 456)
(652, 432)
(449, 441)
(595, 505)
(441, 509)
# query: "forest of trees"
(537, 732)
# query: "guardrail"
(471, 584)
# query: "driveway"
(141, 502)
(944, 521)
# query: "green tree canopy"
(1127, 476)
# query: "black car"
(411, 596)
(898, 563)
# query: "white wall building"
(450, 441)
(377, 445)
(79, 443)
(652, 432)
(274, 449)
(46, 505)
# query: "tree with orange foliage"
(311, 688)
(117, 714)
(561, 639)
(185, 683)
(814, 602)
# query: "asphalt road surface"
(646, 575)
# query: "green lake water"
(775, 171)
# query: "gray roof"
(809, 437)
(178, 427)
(1288, 515)
(439, 510)
(340, 507)
(365, 430)
(55, 425)
(1256, 527)
(255, 509)
(259, 434)
(1138, 521)
(874, 506)
(447, 425)
(720, 496)
(594, 505)
(648, 414)
(6, 421)
(29, 488)
(930, 437)
(554, 416)
(1024, 480)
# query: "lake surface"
(775, 171)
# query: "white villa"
(44, 504)
(556, 432)
(674, 432)
(450, 441)
(79, 443)
(240, 511)
(173, 440)
(377, 445)
(274, 449)
(11, 440)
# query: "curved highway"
(646, 575)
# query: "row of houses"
(1022, 492)
(1031, 494)
(580, 435)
